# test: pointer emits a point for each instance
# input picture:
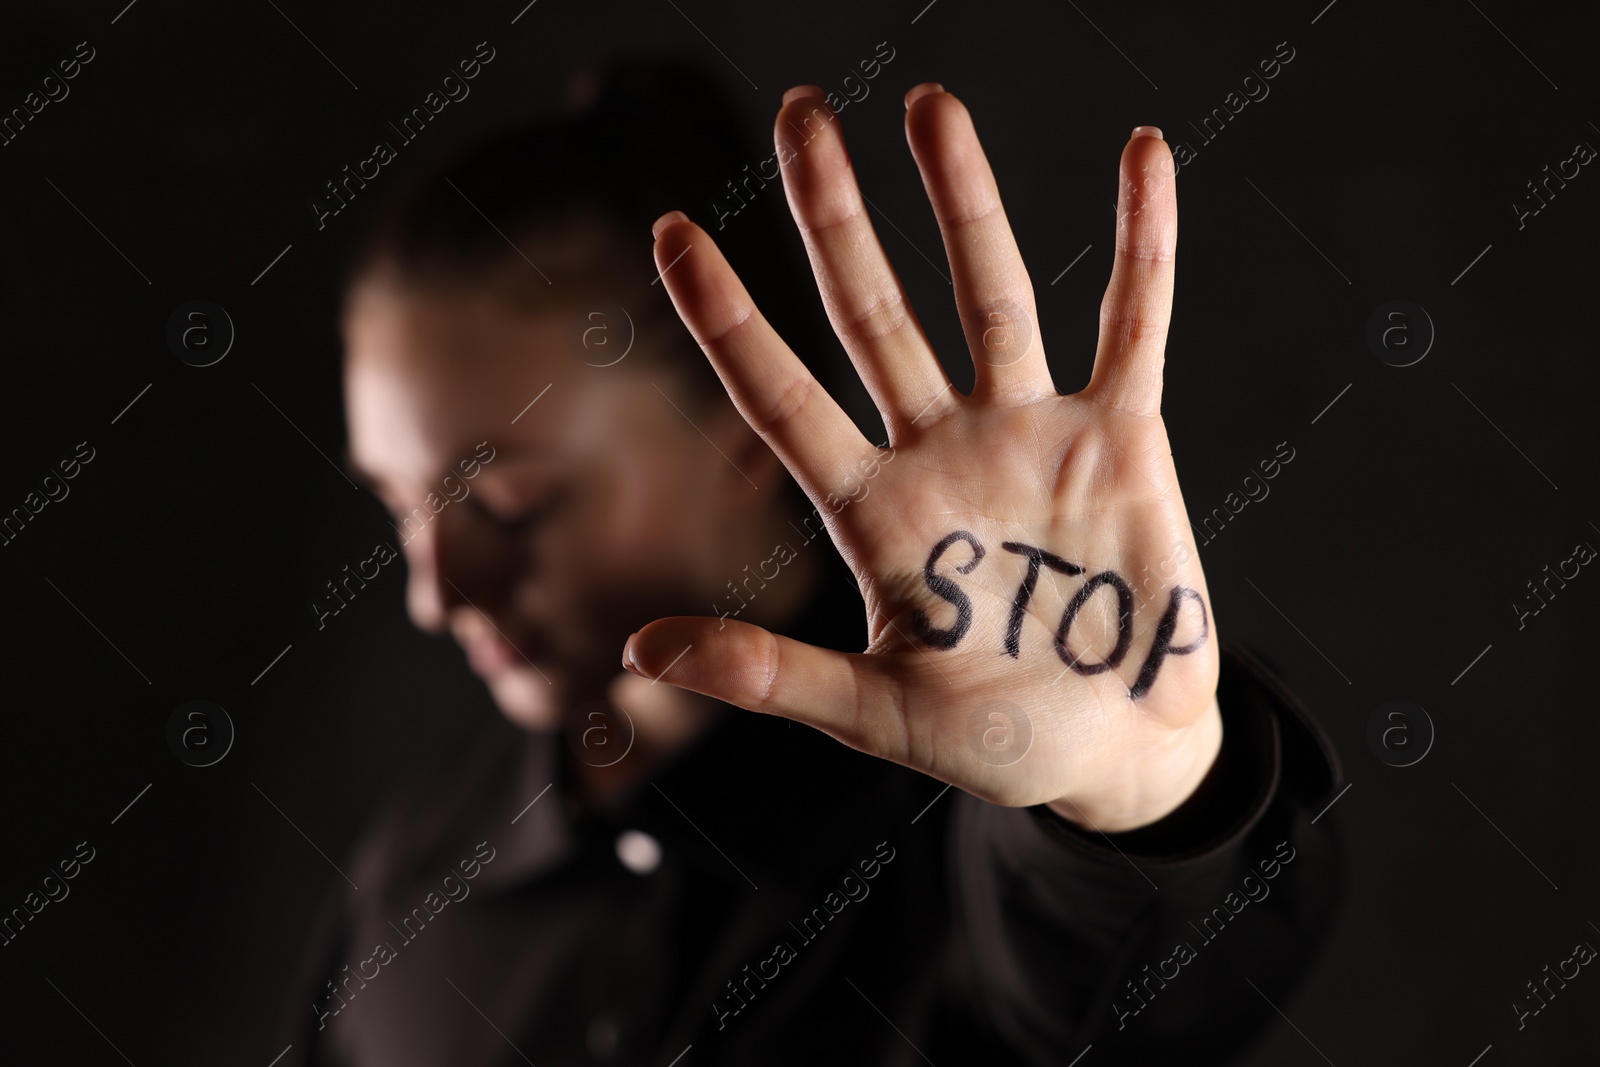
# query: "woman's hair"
(556, 214)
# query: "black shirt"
(773, 897)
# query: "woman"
(630, 869)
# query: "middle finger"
(860, 290)
(993, 292)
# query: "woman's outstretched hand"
(1040, 630)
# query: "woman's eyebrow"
(374, 482)
(521, 451)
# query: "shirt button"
(638, 851)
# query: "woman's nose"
(455, 560)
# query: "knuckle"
(1128, 327)
(881, 316)
(964, 215)
(1151, 254)
(772, 655)
(788, 402)
(739, 318)
(818, 220)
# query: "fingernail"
(667, 220)
(801, 92)
(1147, 131)
(627, 655)
(919, 91)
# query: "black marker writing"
(947, 589)
(1163, 646)
(1124, 626)
(1019, 606)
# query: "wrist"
(1157, 783)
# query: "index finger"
(772, 388)
(1138, 303)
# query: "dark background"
(1392, 547)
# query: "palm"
(1039, 629)
(1092, 487)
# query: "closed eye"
(526, 517)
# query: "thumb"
(846, 696)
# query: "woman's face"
(539, 536)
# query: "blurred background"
(1361, 214)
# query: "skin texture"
(602, 507)
(1088, 477)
